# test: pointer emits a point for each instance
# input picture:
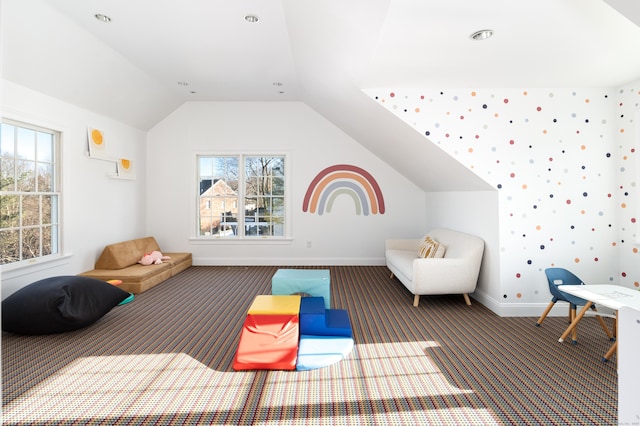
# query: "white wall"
(476, 213)
(312, 143)
(96, 210)
(557, 160)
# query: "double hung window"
(29, 192)
(241, 196)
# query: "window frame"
(55, 224)
(240, 236)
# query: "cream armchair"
(455, 273)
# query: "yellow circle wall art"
(96, 136)
(96, 142)
(125, 168)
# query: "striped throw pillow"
(430, 248)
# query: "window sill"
(14, 270)
(241, 241)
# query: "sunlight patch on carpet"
(122, 385)
(398, 381)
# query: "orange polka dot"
(587, 100)
(613, 244)
(417, 109)
(623, 205)
(621, 130)
(519, 295)
(473, 93)
(524, 186)
(583, 147)
(577, 260)
(538, 227)
(635, 250)
(470, 150)
(637, 284)
(544, 131)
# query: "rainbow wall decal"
(344, 179)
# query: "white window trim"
(196, 239)
(28, 266)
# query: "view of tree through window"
(29, 225)
(241, 196)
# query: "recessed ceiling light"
(251, 18)
(102, 18)
(481, 35)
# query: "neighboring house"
(218, 203)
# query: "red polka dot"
(392, 94)
(512, 142)
(624, 274)
(539, 109)
(518, 275)
(568, 201)
(506, 101)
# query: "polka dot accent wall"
(564, 164)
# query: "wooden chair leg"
(610, 352)
(610, 334)
(545, 313)
(416, 299)
(466, 299)
(574, 323)
(613, 347)
(574, 332)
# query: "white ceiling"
(321, 52)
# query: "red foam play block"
(268, 342)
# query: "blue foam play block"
(312, 315)
(337, 323)
(315, 320)
(312, 305)
(322, 351)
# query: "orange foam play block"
(268, 342)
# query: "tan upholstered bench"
(119, 261)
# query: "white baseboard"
(520, 309)
(279, 261)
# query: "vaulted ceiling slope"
(153, 56)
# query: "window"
(29, 197)
(241, 196)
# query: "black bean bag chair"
(59, 304)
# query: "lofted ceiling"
(155, 55)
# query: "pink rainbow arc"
(347, 174)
